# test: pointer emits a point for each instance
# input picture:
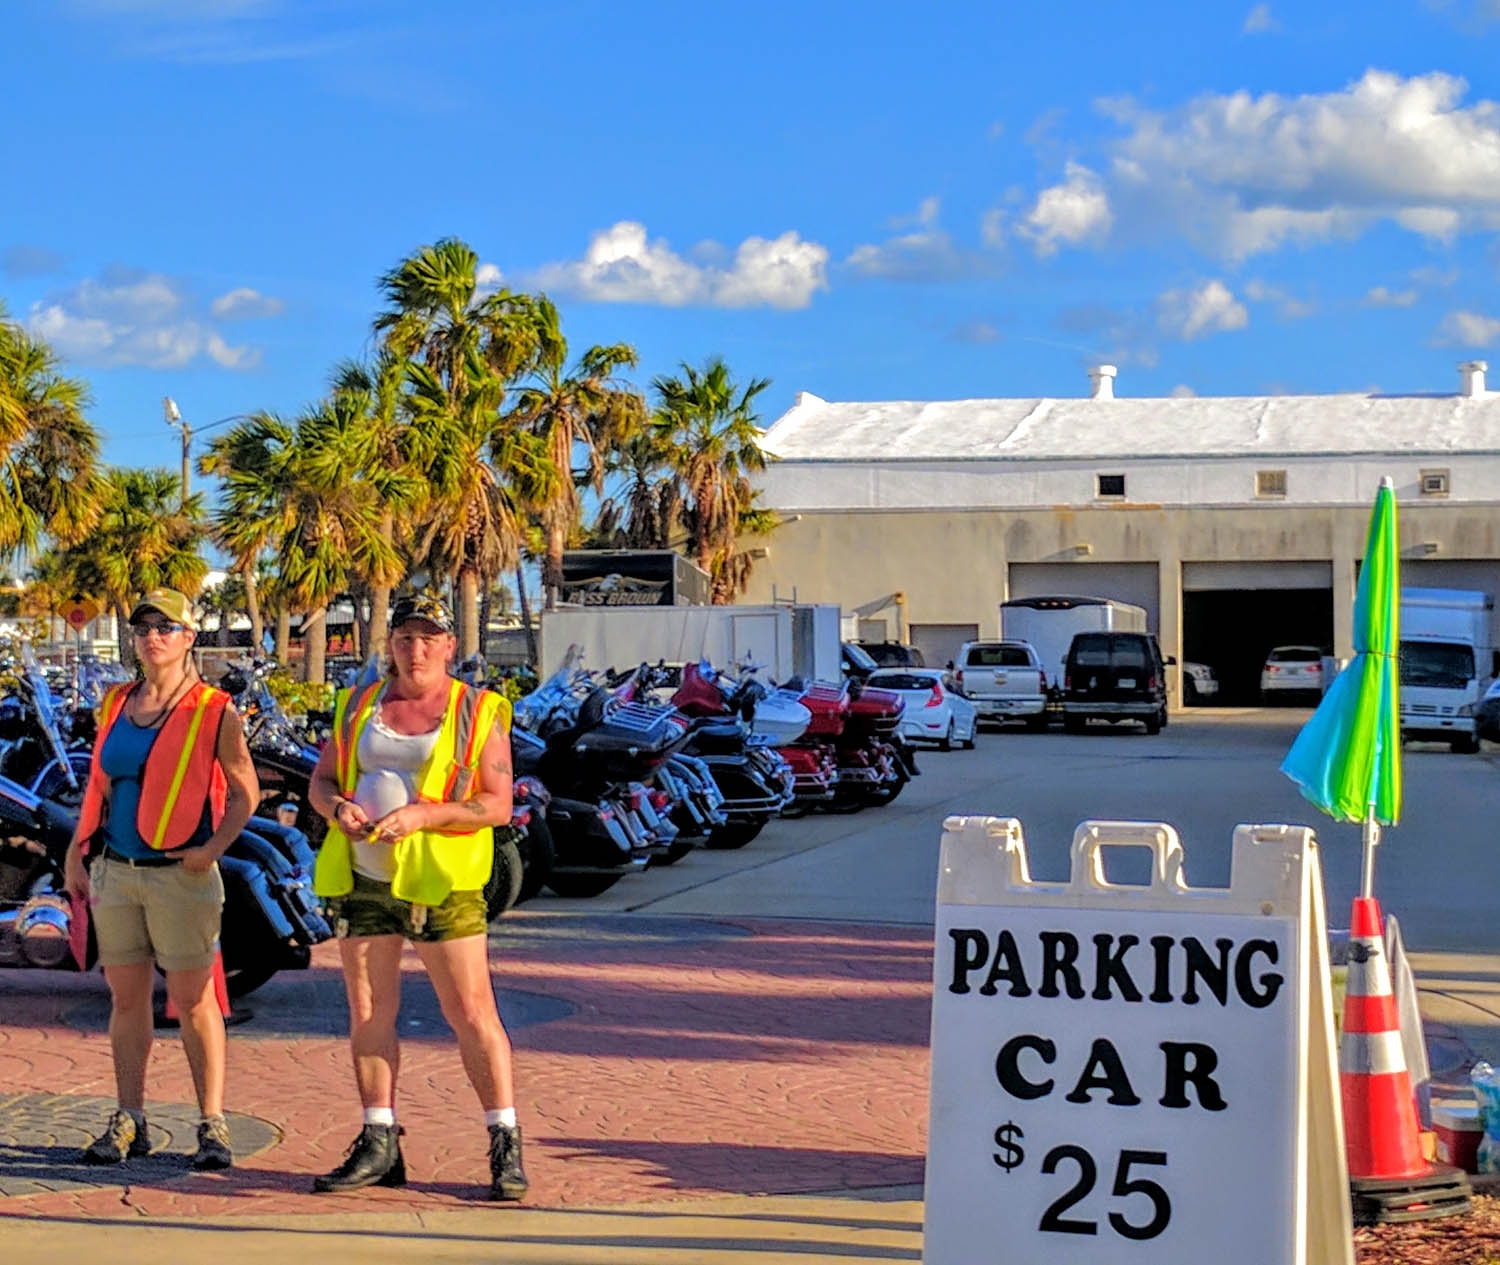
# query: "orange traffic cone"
(1389, 1178)
(221, 991)
(1380, 1117)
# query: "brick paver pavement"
(657, 1059)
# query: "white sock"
(380, 1115)
(505, 1116)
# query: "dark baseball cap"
(425, 606)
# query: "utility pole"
(174, 418)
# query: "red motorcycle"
(851, 734)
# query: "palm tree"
(49, 485)
(458, 349)
(250, 460)
(644, 513)
(583, 410)
(145, 538)
(710, 429)
(334, 513)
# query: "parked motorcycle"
(271, 917)
(284, 759)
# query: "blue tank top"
(123, 762)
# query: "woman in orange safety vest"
(170, 787)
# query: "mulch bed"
(1470, 1240)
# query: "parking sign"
(1128, 1074)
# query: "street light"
(173, 417)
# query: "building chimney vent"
(1471, 377)
(1103, 379)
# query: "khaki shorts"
(162, 912)
(372, 910)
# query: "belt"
(140, 863)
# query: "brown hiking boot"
(120, 1140)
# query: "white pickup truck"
(1004, 680)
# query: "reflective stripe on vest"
(354, 713)
(468, 738)
(179, 775)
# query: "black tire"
(882, 797)
(945, 743)
(1153, 725)
(735, 834)
(243, 978)
(1037, 724)
(676, 850)
(844, 805)
(582, 886)
(538, 857)
(797, 808)
(1465, 744)
(54, 785)
(1074, 724)
(1165, 718)
(968, 743)
(506, 875)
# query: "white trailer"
(1447, 662)
(788, 640)
(1051, 623)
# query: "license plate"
(1125, 682)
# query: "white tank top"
(388, 766)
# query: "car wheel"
(945, 743)
(1164, 717)
(1153, 725)
(968, 743)
(1073, 724)
(1037, 724)
(1465, 744)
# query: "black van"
(1114, 676)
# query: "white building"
(1237, 522)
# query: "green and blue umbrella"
(1347, 759)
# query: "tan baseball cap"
(169, 602)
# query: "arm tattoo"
(474, 806)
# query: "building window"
(1434, 483)
(1270, 483)
(1111, 486)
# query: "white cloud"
(1439, 278)
(1074, 212)
(245, 304)
(1259, 21)
(992, 228)
(1182, 392)
(1289, 306)
(133, 318)
(928, 254)
(1382, 296)
(1206, 309)
(1468, 329)
(621, 265)
(980, 332)
(1243, 174)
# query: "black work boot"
(374, 1159)
(121, 1140)
(507, 1180)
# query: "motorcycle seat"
(718, 736)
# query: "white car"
(934, 713)
(1198, 682)
(1292, 668)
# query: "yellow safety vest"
(430, 863)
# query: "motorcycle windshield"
(46, 713)
(532, 709)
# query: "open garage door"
(1234, 613)
(939, 643)
(1133, 582)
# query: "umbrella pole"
(1367, 873)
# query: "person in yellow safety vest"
(170, 787)
(414, 778)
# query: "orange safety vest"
(182, 771)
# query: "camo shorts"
(372, 910)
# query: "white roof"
(1200, 426)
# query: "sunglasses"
(146, 627)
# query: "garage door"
(1205, 577)
(939, 643)
(1482, 576)
(1133, 582)
(1235, 613)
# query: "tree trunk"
(127, 649)
(283, 637)
(484, 618)
(314, 644)
(252, 609)
(380, 618)
(552, 566)
(468, 619)
(531, 653)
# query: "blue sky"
(866, 201)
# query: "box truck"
(789, 641)
(1446, 664)
(1051, 623)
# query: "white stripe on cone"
(1371, 1054)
